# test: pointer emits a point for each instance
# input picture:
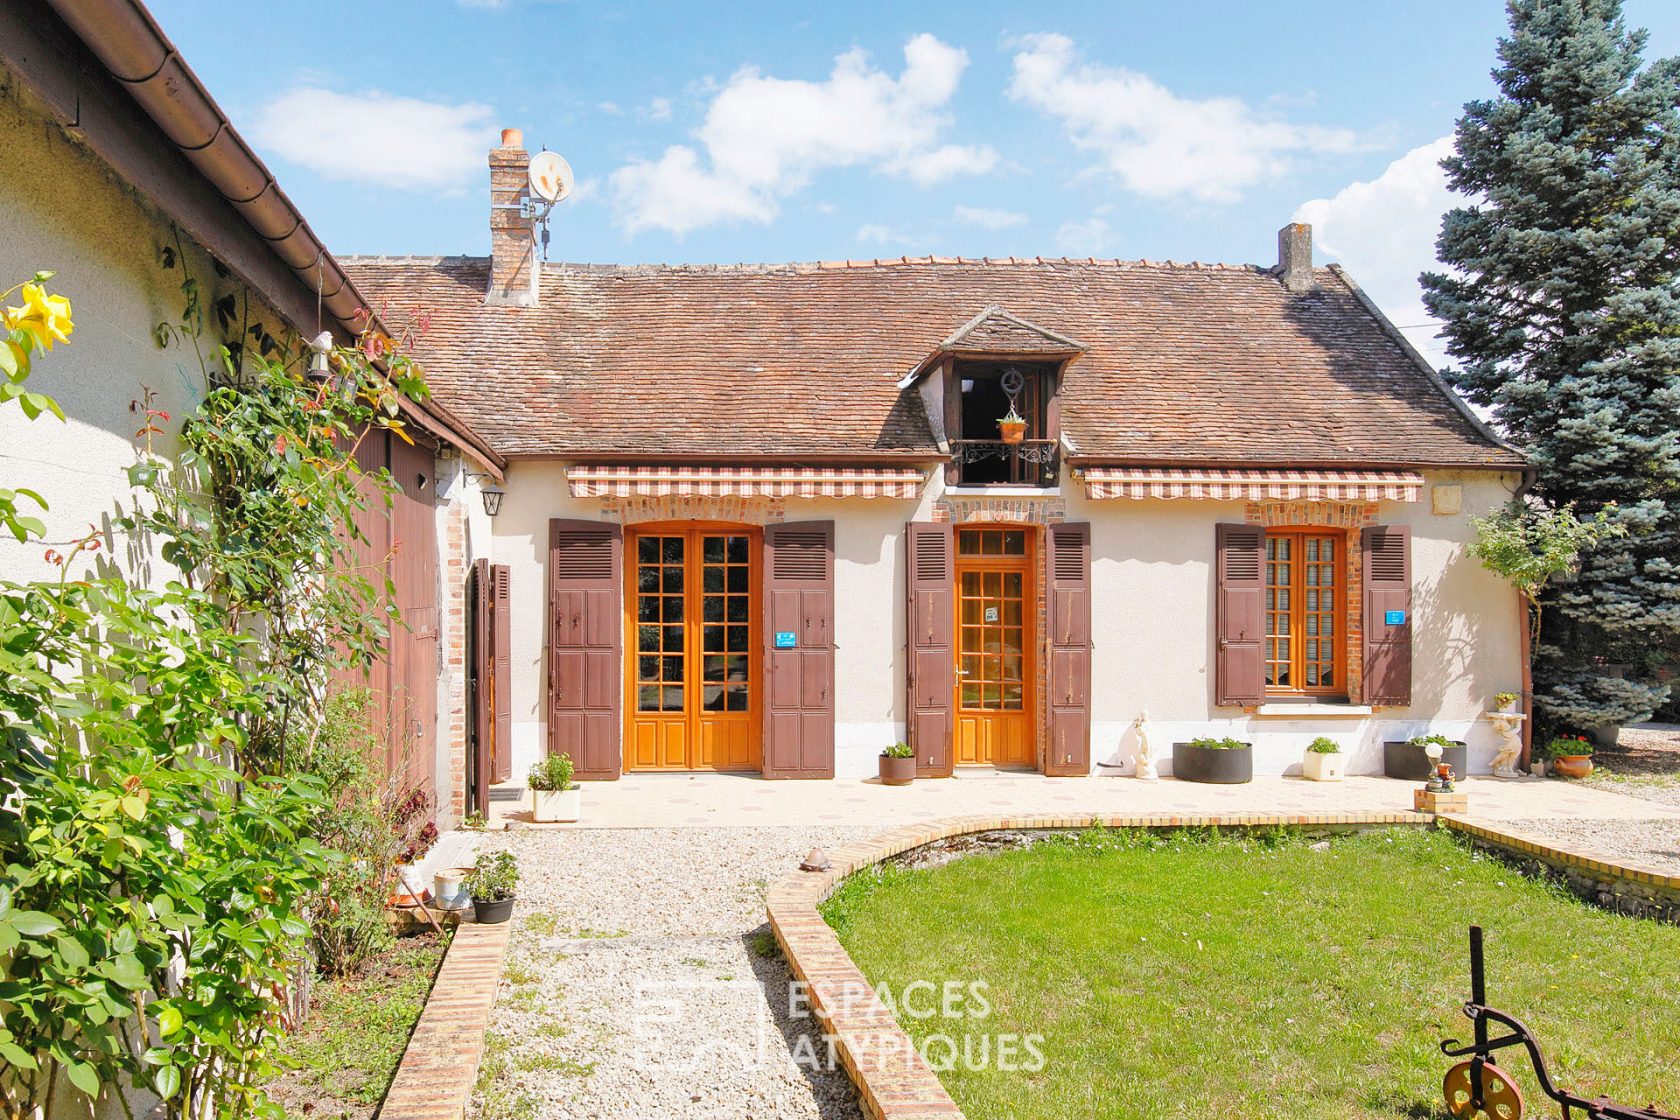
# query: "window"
(1306, 651)
(981, 394)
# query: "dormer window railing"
(1030, 462)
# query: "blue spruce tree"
(1563, 311)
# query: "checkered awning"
(1253, 485)
(744, 482)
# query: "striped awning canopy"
(744, 482)
(1253, 485)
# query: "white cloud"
(378, 138)
(1093, 237)
(1383, 231)
(877, 233)
(659, 109)
(765, 138)
(1159, 144)
(987, 217)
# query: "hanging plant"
(1012, 427)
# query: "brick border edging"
(434, 1080)
(1654, 893)
(893, 1081)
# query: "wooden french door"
(995, 648)
(693, 676)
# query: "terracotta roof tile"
(1185, 363)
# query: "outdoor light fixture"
(492, 496)
(318, 369)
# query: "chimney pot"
(1295, 257)
(513, 138)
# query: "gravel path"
(1654, 843)
(1644, 763)
(642, 982)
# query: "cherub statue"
(1145, 754)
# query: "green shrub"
(1504, 699)
(898, 750)
(1226, 744)
(1324, 745)
(1425, 740)
(1564, 746)
(494, 877)
(553, 773)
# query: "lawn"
(358, 1027)
(1261, 977)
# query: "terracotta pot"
(1013, 431)
(897, 771)
(1572, 766)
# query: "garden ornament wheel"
(1500, 1097)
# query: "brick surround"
(454, 644)
(671, 507)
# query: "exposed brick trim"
(672, 507)
(435, 1079)
(1026, 511)
(1626, 888)
(892, 1079)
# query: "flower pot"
(1226, 766)
(1572, 765)
(1409, 763)
(897, 771)
(449, 890)
(1012, 431)
(493, 911)
(552, 805)
(1317, 767)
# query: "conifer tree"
(1563, 311)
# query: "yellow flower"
(45, 316)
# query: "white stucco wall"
(1152, 572)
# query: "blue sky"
(760, 132)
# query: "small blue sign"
(787, 639)
(1394, 618)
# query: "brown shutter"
(1388, 588)
(799, 686)
(931, 576)
(501, 673)
(1068, 566)
(480, 726)
(1239, 614)
(585, 645)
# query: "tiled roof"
(1185, 363)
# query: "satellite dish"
(551, 176)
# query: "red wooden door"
(1068, 567)
(1240, 626)
(585, 644)
(931, 578)
(1388, 614)
(799, 650)
(414, 644)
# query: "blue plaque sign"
(1394, 618)
(788, 639)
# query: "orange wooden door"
(693, 670)
(996, 642)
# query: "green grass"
(1260, 978)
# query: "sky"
(1184, 130)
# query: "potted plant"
(1013, 427)
(1569, 756)
(1408, 761)
(898, 765)
(1505, 701)
(1323, 760)
(1214, 761)
(492, 883)
(554, 796)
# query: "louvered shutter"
(930, 549)
(585, 645)
(501, 673)
(1239, 614)
(1069, 616)
(1388, 614)
(480, 772)
(799, 686)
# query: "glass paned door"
(694, 693)
(995, 642)
(1304, 612)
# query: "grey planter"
(1410, 764)
(897, 771)
(1213, 765)
(493, 912)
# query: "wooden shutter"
(1239, 614)
(799, 686)
(930, 549)
(585, 645)
(1068, 566)
(501, 674)
(1388, 594)
(480, 728)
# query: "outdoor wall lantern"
(493, 495)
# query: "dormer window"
(987, 394)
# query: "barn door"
(1069, 605)
(931, 577)
(1240, 620)
(799, 650)
(585, 644)
(1388, 614)
(480, 725)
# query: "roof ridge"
(728, 267)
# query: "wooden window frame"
(1298, 637)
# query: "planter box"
(1213, 765)
(493, 912)
(549, 806)
(1410, 764)
(1323, 767)
(897, 771)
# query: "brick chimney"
(514, 272)
(1295, 267)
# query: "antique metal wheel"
(1501, 1099)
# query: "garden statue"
(1145, 756)
(1510, 726)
